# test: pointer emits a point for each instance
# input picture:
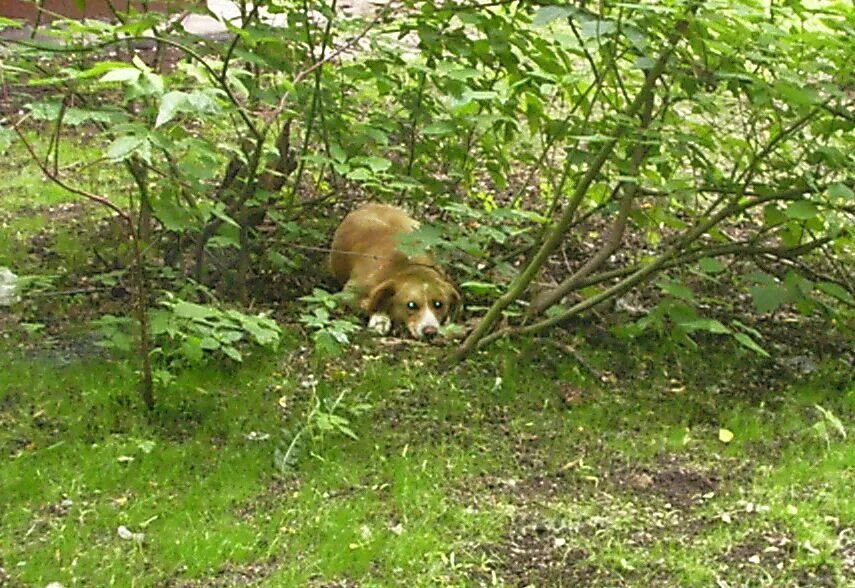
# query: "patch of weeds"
(330, 334)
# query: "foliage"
(329, 334)
(683, 137)
(200, 331)
(828, 427)
(185, 334)
(324, 416)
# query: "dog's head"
(421, 298)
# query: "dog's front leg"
(380, 323)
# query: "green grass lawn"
(476, 475)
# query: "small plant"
(326, 416)
(187, 333)
(330, 334)
(828, 426)
(676, 316)
(202, 332)
(115, 333)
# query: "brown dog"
(388, 285)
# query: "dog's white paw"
(380, 323)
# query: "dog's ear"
(380, 296)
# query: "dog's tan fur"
(391, 287)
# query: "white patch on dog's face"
(428, 321)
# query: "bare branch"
(557, 233)
(615, 234)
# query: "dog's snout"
(430, 332)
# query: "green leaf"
(747, 329)
(360, 174)
(635, 36)
(337, 152)
(421, 240)
(772, 215)
(232, 353)
(347, 431)
(482, 95)
(479, 287)
(172, 215)
(710, 265)
(835, 291)
(48, 110)
(748, 342)
(802, 210)
(8, 22)
(201, 102)
(835, 422)
(160, 322)
(797, 95)
(170, 105)
(644, 63)
(709, 325)
(190, 310)
(678, 290)
(442, 127)
(124, 147)
(98, 69)
(209, 343)
(191, 350)
(221, 214)
(229, 337)
(839, 190)
(546, 14)
(122, 75)
(266, 337)
(378, 164)
(597, 28)
(768, 298)
(77, 116)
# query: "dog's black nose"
(430, 332)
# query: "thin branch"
(616, 231)
(73, 189)
(639, 275)
(557, 233)
(223, 83)
(140, 306)
(326, 59)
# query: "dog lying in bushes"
(392, 288)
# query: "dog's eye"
(437, 303)
(412, 305)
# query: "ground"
(483, 474)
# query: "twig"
(62, 184)
(147, 384)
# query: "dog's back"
(365, 243)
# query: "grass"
(451, 473)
